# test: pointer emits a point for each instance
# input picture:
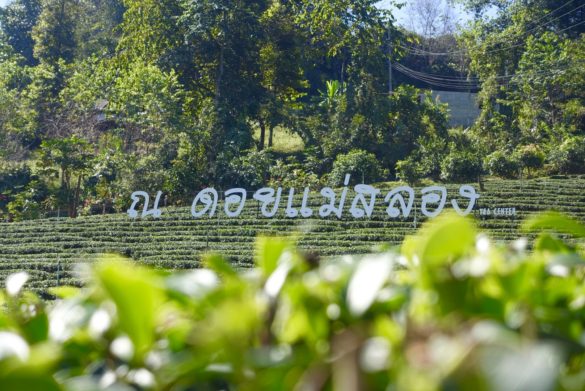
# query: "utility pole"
(390, 58)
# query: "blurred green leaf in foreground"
(450, 310)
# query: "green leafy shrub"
(292, 175)
(147, 173)
(416, 123)
(27, 203)
(363, 167)
(502, 164)
(250, 170)
(408, 170)
(186, 174)
(530, 157)
(450, 308)
(569, 158)
(432, 150)
(13, 179)
(461, 166)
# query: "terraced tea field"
(49, 248)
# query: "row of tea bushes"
(178, 241)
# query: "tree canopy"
(192, 93)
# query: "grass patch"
(284, 141)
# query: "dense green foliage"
(362, 166)
(175, 95)
(449, 310)
(529, 58)
(502, 164)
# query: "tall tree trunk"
(66, 187)
(262, 134)
(270, 137)
(73, 206)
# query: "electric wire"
(470, 85)
(434, 80)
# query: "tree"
(140, 102)
(223, 39)
(54, 33)
(17, 20)
(282, 64)
(141, 113)
(461, 166)
(363, 167)
(502, 164)
(549, 87)
(530, 82)
(430, 18)
(569, 158)
(150, 32)
(408, 171)
(527, 12)
(72, 158)
(13, 180)
(347, 40)
(414, 118)
(96, 30)
(530, 157)
(17, 113)
(431, 47)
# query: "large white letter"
(207, 197)
(469, 192)
(330, 208)
(432, 198)
(395, 196)
(266, 196)
(305, 210)
(368, 206)
(234, 196)
(291, 211)
(155, 211)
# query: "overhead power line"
(436, 80)
(467, 84)
(440, 77)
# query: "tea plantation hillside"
(48, 249)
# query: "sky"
(3, 2)
(402, 18)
